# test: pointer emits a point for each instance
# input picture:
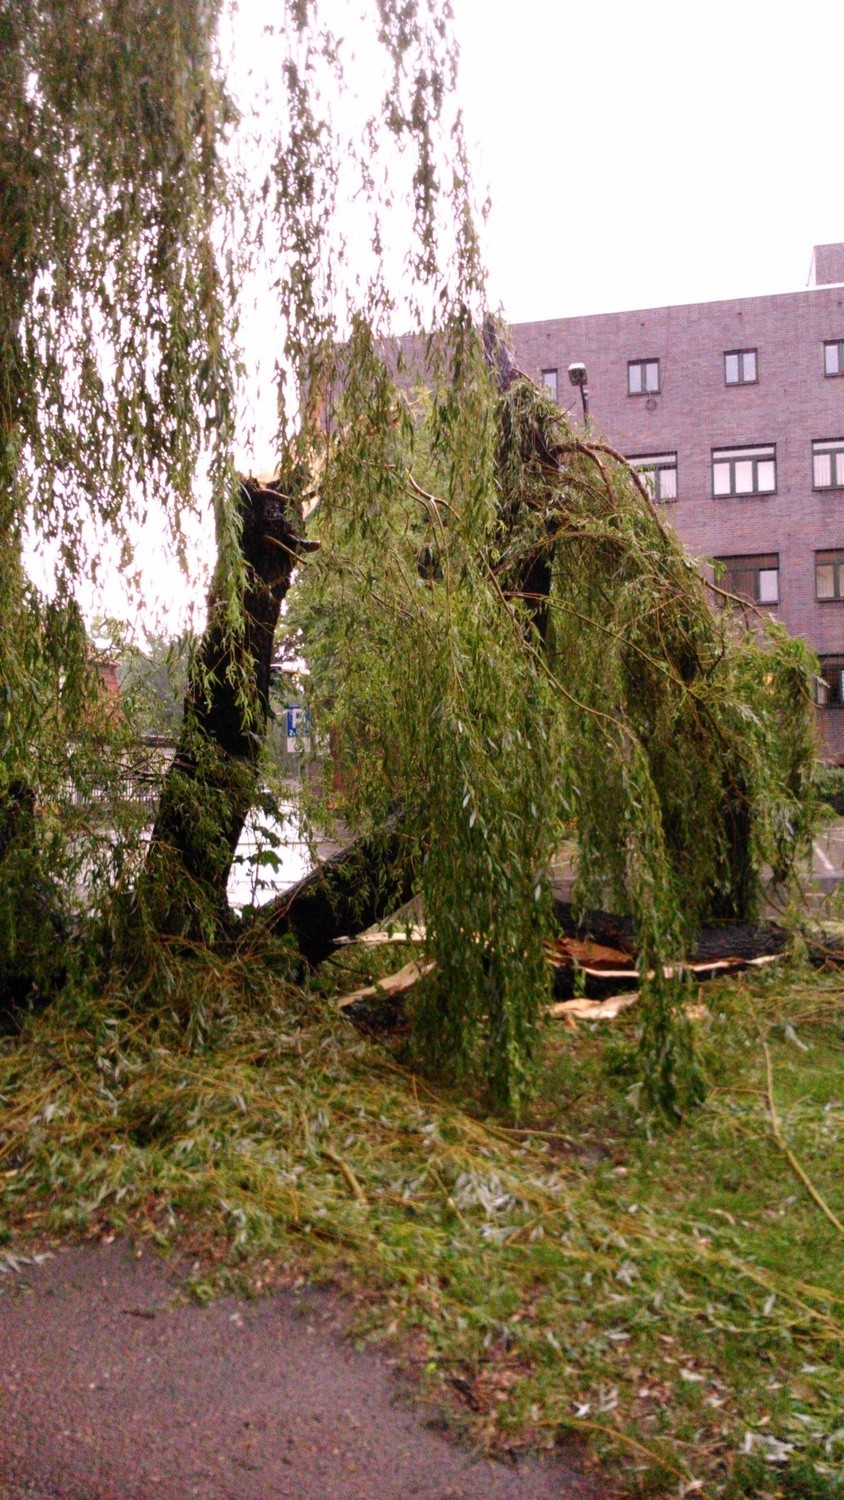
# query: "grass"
(677, 1296)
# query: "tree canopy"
(506, 642)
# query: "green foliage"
(680, 747)
(829, 783)
(681, 744)
(154, 678)
(116, 377)
(70, 821)
(127, 227)
(685, 1288)
(114, 309)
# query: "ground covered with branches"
(676, 1296)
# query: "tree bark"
(715, 942)
(344, 895)
(213, 780)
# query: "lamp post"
(577, 376)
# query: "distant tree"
(152, 674)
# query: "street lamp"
(577, 376)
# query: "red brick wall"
(791, 404)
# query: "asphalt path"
(115, 1386)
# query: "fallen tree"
(590, 978)
(361, 885)
(557, 668)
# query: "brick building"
(735, 413)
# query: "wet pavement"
(114, 1386)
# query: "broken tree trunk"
(213, 780)
(344, 895)
(351, 892)
(719, 946)
(745, 940)
(372, 878)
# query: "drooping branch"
(522, 448)
(567, 512)
(373, 876)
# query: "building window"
(740, 367)
(744, 471)
(658, 473)
(642, 377)
(549, 380)
(829, 575)
(828, 464)
(832, 675)
(756, 579)
(833, 357)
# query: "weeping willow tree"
(133, 207)
(115, 370)
(505, 642)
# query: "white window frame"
(658, 472)
(739, 473)
(643, 377)
(833, 355)
(550, 382)
(746, 366)
(828, 455)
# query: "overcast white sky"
(643, 154)
(635, 155)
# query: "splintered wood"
(389, 986)
(598, 962)
(593, 960)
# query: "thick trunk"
(344, 895)
(213, 781)
(32, 930)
